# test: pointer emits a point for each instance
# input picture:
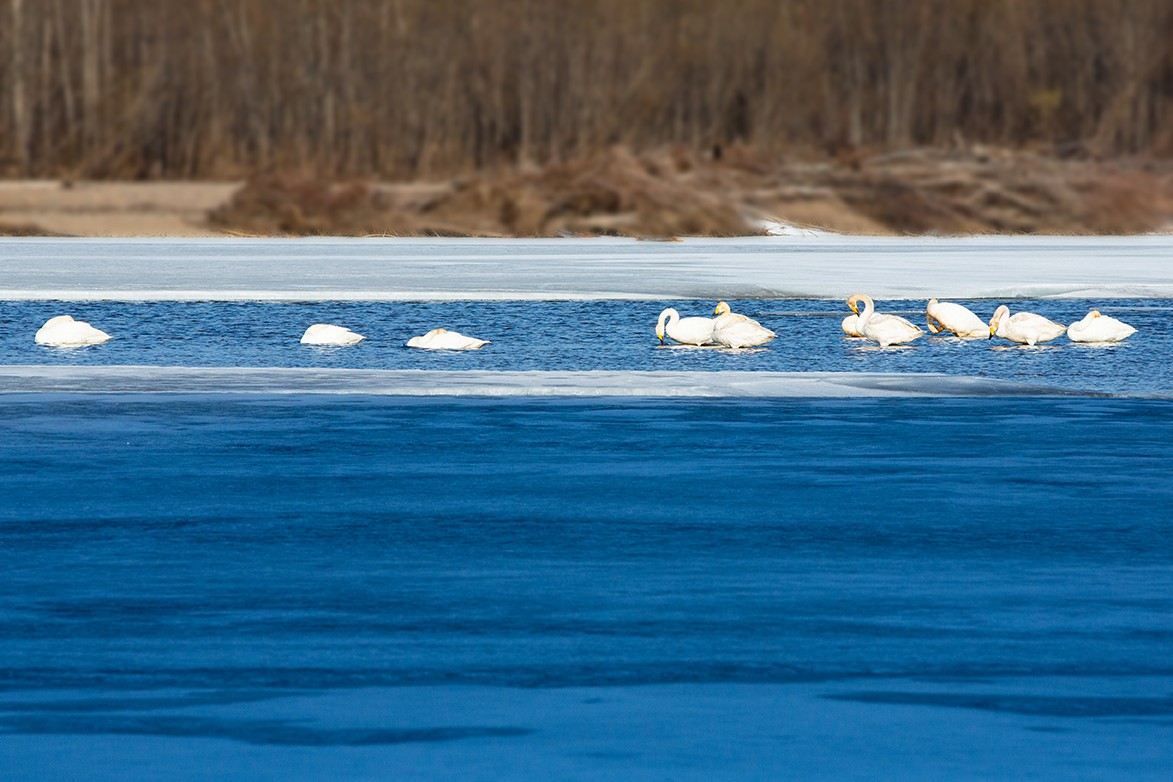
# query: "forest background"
(546, 116)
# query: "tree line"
(407, 88)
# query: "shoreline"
(111, 209)
(650, 195)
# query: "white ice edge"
(78, 294)
(807, 265)
(55, 379)
(1041, 291)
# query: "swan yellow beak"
(854, 308)
(993, 328)
(660, 337)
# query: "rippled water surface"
(212, 578)
(187, 541)
(589, 335)
(272, 584)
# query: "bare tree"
(402, 88)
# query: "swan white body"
(851, 326)
(1025, 328)
(686, 331)
(954, 318)
(738, 331)
(325, 334)
(878, 327)
(1099, 328)
(443, 339)
(65, 332)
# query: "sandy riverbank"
(44, 207)
(655, 194)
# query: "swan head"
(1095, 314)
(665, 315)
(1002, 312)
(722, 308)
(855, 299)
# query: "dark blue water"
(245, 544)
(588, 335)
(293, 587)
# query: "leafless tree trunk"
(17, 76)
(398, 88)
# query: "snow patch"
(824, 266)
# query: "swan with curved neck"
(686, 331)
(956, 319)
(734, 330)
(1095, 327)
(879, 327)
(1025, 328)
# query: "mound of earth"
(661, 193)
(613, 193)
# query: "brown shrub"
(1120, 202)
(612, 193)
(26, 229)
(669, 192)
(269, 204)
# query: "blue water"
(588, 335)
(298, 587)
(300, 543)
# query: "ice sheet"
(247, 380)
(805, 265)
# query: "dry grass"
(671, 192)
(663, 193)
(613, 193)
(47, 208)
(286, 205)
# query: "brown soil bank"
(116, 209)
(672, 193)
(657, 194)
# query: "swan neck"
(868, 309)
(663, 317)
(1001, 315)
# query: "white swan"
(738, 331)
(1025, 328)
(851, 322)
(878, 327)
(947, 316)
(851, 326)
(1099, 328)
(325, 334)
(686, 331)
(65, 332)
(443, 339)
